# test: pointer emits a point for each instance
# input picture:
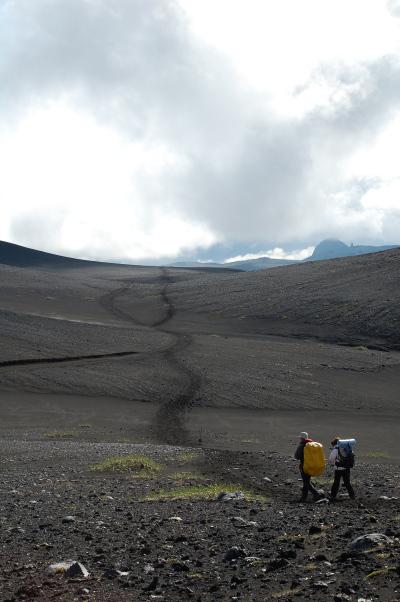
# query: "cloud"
(276, 253)
(127, 132)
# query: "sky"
(155, 130)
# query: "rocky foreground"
(156, 525)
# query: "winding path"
(168, 424)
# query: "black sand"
(97, 359)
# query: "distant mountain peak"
(330, 248)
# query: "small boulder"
(68, 519)
(370, 541)
(113, 573)
(228, 497)
(180, 566)
(314, 529)
(77, 570)
(234, 553)
(59, 567)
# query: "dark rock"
(228, 497)
(314, 529)
(76, 570)
(278, 563)
(68, 519)
(288, 554)
(179, 566)
(370, 541)
(235, 552)
(152, 585)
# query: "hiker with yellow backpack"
(312, 464)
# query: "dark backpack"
(346, 460)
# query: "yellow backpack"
(314, 459)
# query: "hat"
(303, 435)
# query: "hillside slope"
(350, 300)
(18, 256)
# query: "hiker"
(299, 455)
(342, 458)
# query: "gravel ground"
(265, 548)
(95, 359)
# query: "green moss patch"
(201, 492)
(135, 464)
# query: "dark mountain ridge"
(24, 257)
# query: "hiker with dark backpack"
(312, 463)
(342, 458)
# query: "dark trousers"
(345, 475)
(307, 486)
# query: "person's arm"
(333, 456)
(299, 452)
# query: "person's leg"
(313, 490)
(336, 484)
(306, 484)
(346, 481)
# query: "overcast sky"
(152, 129)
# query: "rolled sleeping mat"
(346, 442)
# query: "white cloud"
(276, 253)
(144, 129)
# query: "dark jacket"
(299, 453)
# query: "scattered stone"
(267, 479)
(59, 567)
(148, 568)
(180, 566)
(228, 497)
(320, 585)
(234, 553)
(240, 522)
(289, 554)
(77, 570)
(370, 541)
(386, 498)
(177, 519)
(314, 529)
(113, 573)
(68, 519)
(323, 500)
(319, 557)
(152, 585)
(278, 563)
(16, 530)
